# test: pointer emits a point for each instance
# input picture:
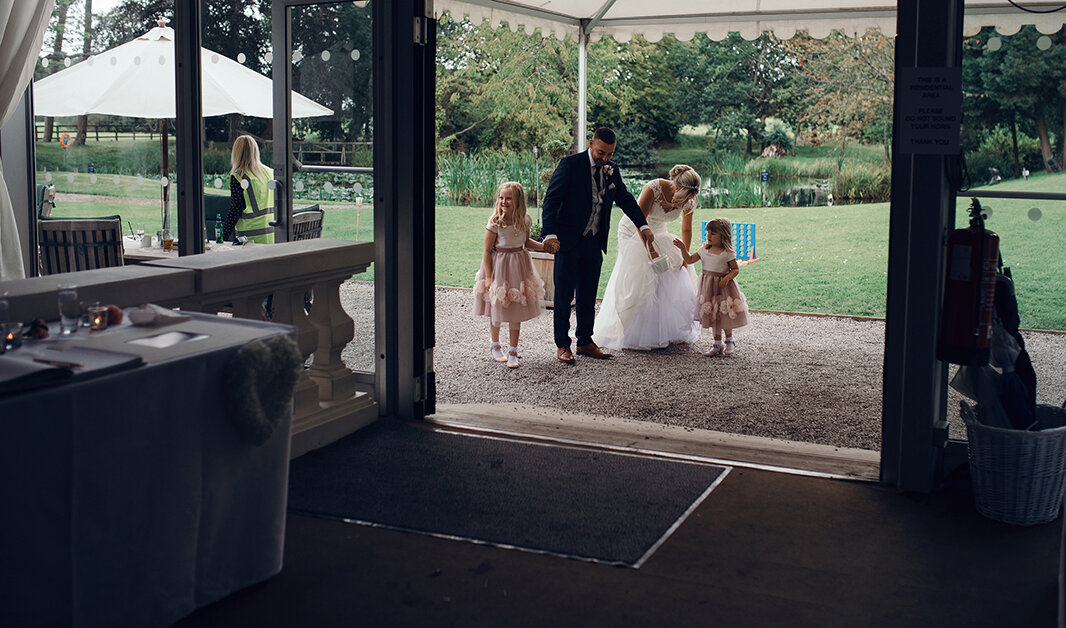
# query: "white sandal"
(730, 346)
(716, 349)
(512, 357)
(497, 351)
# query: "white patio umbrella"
(137, 80)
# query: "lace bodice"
(661, 214)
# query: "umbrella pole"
(166, 173)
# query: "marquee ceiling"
(622, 19)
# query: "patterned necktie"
(597, 192)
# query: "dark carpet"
(580, 503)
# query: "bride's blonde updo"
(685, 180)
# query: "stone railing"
(326, 404)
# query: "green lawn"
(822, 259)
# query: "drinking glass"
(140, 230)
(69, 309)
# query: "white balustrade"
(326, 403)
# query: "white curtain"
(22, 27)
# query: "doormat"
(593, 505)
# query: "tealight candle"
(12, 340)
(97, 318)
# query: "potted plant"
(545, 265)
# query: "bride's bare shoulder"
(656, 187)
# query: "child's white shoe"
(512, 357)
(497, 352)
(716, 349)
(730, 347)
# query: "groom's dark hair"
(605, 135)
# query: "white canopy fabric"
(136, 79)
(22, 28)
(622, 19)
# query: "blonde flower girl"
(507, 288)
(722, 305)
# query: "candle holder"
(12, 336)
(97, 318)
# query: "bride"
(640, 309)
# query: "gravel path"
(804, 378)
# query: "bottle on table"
(218, 228)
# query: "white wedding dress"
(642, 310)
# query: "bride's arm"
(686, 228)
(645, 199)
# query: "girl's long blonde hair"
(520, 220)
(722, 227)
(244, 159)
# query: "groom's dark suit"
(568, 206)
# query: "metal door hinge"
(420, 30)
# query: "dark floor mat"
(589, 504)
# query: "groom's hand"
(551, 246)
(648, 236)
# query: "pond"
(748, 190)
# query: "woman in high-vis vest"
(251, 206)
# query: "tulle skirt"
(721, 308)
(516, 290)
(642, 310)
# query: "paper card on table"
(48, 364)
(19, 374)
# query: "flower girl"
(721, 303)
(507, 287)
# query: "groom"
(577, 217)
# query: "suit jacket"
(568, 202)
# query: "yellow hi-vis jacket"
(254, 222)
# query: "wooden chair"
(307, 223)
(71, 244)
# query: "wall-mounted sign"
(930, 110)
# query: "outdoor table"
(134, 253)
(132, 500)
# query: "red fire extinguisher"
(969, 293)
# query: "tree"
(86, 48)
(631, 90)
(327, 73)
(233, 28)
(58, 30)
(1027, 81)
(733, 84)
(849, 84)
(498, 89)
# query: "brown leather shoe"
(592, 351)
(564, 355)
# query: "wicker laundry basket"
(1018, 476)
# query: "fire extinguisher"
(969, 293)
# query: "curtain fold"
(24, 24)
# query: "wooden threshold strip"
(546, 424)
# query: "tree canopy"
(504, 89)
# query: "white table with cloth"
(130, 498)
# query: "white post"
(582, 90)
